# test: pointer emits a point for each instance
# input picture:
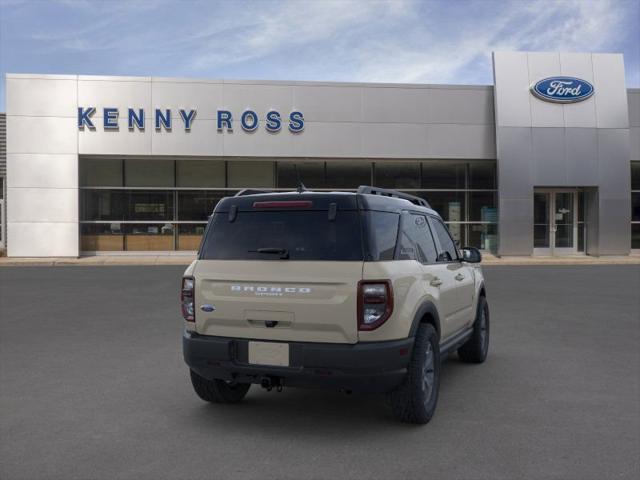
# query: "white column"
(42, 166)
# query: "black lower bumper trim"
(371, 366)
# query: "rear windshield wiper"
(283, 252)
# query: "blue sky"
(443, 41)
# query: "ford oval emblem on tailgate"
(207, 308)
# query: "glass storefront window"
(482, 175)
(310, 173)
(635, 235)
(397, 175)
(482, 207)
(150, 205)
(189, 236)
(148, 237)
(443, 175)
(347, 174)
(198, 205)
(635, 175)
(101, 237)
(450, 205)
(457, 232)
(149, 173)
(103, 172)
(483, 236)
(250, 174)
(200, 173)
(635, 206)
(165, 206)
(103, 205)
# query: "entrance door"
(555, 226)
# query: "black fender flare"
(427, 307)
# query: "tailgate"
(306, 301)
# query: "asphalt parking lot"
(92, 386)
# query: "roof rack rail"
(251, 191)
(384, 192)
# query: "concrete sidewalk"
(187, 259)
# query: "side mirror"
(471, 255)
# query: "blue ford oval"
(562, 89)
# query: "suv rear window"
(303, 235)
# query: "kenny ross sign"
(249, 120)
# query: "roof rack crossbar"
(384, 192)
(251, 191)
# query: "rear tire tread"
(218, 391)
(407, 401)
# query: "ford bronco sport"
(361, 291)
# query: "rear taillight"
(375, 303)
(187, 300)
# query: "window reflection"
(137, 206)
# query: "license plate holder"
(275, 354)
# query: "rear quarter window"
(382, 234)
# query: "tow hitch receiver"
(269, 383)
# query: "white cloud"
(436, 41)
(571, 25)
(257, 32)
(408, 41)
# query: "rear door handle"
(436, 282)
(459, 277)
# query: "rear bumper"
(370, 367)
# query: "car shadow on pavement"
(312, 412)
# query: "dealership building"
(546, 161)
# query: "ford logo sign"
(562, 89)
(207, 308)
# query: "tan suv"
(357, 291)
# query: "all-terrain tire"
(218, 391)
(415, 400)
(476, 348)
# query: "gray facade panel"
(612, 110)
(614, 226)
(515, 170)
(592, 216)
(549, 157)
(510, 72)
(461, 141)
(329, 103)
(581, 114)
(395, 105)
(391, 140)
(633, 97)
(544, 114)
(175, 95)
(584, 144)
(515, 226)
(582, 156)
(613, 161)
(461, 106)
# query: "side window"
(382, 232)
(447, 251)
(416, 242)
